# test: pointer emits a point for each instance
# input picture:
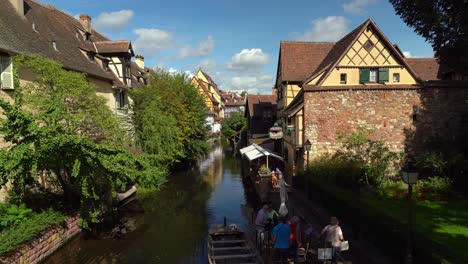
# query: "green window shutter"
(6, 73)
(364, 75)
(383, 75)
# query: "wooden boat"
(228, 244)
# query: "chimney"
(274, 91)
(19, 6)
(86, 23)
(140, 61)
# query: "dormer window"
(90, 56)
(105, 65)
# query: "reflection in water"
(174, 226)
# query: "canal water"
(173, 227)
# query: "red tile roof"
(232, 99)
(253, 100)
(298, 60)
(210, 81)
(205, 89)
(427, 69)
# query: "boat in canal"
(229, 244)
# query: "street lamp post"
(409, 176)
(307, 146)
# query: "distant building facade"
(209, 90)
(260, 111)
(233, 102)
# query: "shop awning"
(254, 151)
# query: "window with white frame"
(373, 75)
(6, 73)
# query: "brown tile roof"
(210, 81)
(205, 89)
(232, 99)
(113, 46)
(17, 36)
(298, 60)
(258, 100)
(427, 69)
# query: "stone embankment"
(42, 246)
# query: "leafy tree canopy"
(236, 122)
(60, 127)
(169, 117)
(443, 23)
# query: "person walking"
(333, 237)
(281, 236)
(260, 222)
(295, 238)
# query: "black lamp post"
(307, 146)
(409, 176)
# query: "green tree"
(236, 122)
(169, 117)
(374, 156)
(443, 23)
(58, 134)
(68, 99)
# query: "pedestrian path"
(316, 217)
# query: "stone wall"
(388, 112)
(403, 118)
(39, 248)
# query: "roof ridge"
(421, 58)
(48, 6)
(307, 42)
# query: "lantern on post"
(409, 175)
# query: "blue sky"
(236, 42)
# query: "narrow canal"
(173, 227)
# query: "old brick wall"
(39, 248)
(388, 112)
(403, 118)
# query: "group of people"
(286, 234)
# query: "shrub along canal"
(174, 225)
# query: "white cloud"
(203, 49)
(330, 28)
(113, 21)
(253, 84)
(208, 65)
(152, 40)
(357, 7)
(407, 54)
(247, 60)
